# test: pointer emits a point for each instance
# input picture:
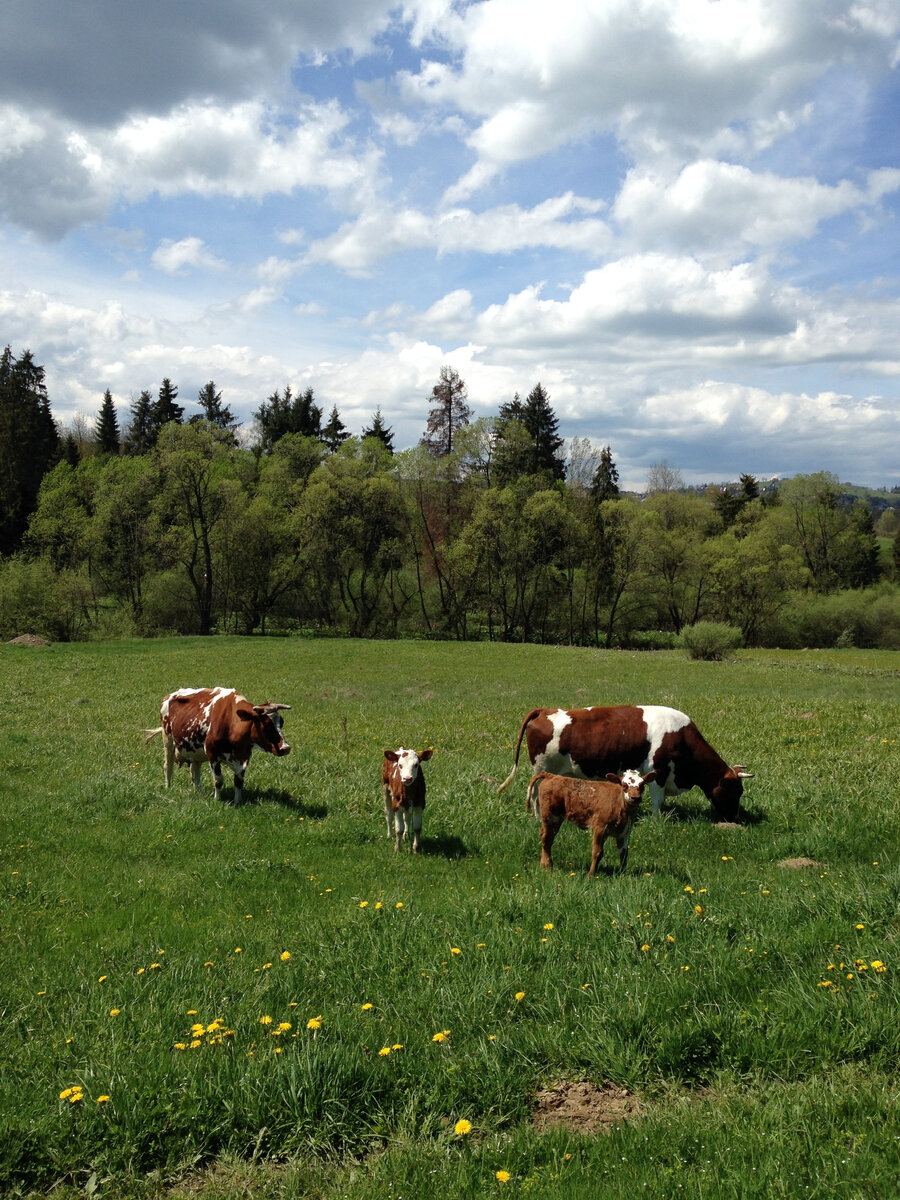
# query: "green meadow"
(203, 1001)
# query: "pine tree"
(605, 485)
(449, 412)
(106, 435)
(335, 433)
(214, 411)
(379, 430)
(141, 435)
(306, 416)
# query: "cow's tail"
(150, 734)
(534, 807)
(511, 776)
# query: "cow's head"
(726, 795)
(268, 725)
(632, 784)
(408, 762)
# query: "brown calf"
(606, 806)
(403, 792)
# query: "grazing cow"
(590, 742)
(217, 725)
(605, 806)
(403, 792)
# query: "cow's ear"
(650, 776)
(426, 754)
(391, 755)
(613, 778)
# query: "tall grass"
(260, 988)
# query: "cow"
(606, 806)
(590, 742)
(403, 792)
(217, 725)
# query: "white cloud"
(173, 257)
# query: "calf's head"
(632, 784)
(408, 763)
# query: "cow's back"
(589, 741)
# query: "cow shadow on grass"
(700, 816)
(444, 845)
(314, 811)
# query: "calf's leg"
(399, 828)
(416, 818)
(388, 814)
(597, 848)
(549, 830)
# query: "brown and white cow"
(605, 806)
(217, 725)
(588, 743)
(403, 792)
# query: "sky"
(679, 216)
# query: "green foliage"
(29, 443)
(737, 999)
(711, 641)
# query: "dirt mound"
(583, 1107)
(28, 639)
(796, 864)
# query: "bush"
(710, 640)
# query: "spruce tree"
(141, 434)
(541, 422)
(605, 485)
(214, 411)
(335, 433)
(106, 435)
(29, 443)
(165, 409)
(379, 430)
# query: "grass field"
(202, 1001)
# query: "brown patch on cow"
(797, 864)
(583, 1107)
(28, 639)
(728, 825)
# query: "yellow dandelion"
(549, 925)
(824, 983)
(284, 1026)
(314, 1023)
(698, 909)
(285, 955)
(520, 995)
(399, 904)
(102, 1099)
(646, 946)
(102, 977)
(669, 938)
(878, 965)
(860, 927)
(141, 970)
(267, 966)
(397, 1046)
(384, 1052)
(238, 950)
(114, 1012)
(441, 1035)
(181, 1045)
(367, 1006)
(76, 1096)
(154, 966)
(378, 904)
(502, 1176)
(265, 1020)
(66, 1093)
(455, 950)
(363, 904)
(689, 889)
(462, 1127)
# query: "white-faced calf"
(605, 806)
(403, 791)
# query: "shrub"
(710, 640)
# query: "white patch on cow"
(552, 760)
(407, 765)
(660, 721)
(631, 778)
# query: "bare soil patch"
(28, 639)
(583, 1107)
(728, 825)
(797, 864)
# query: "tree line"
(493, 528)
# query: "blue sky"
(680, 216)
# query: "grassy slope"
(742, 1060)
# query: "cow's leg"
(388, 812)
(549, 830)
(168, 757)
(657, 795)
(216, 768)
(196, 774)
(239, 769)
(399, 828)
(622, 843)
(597, 848)
(416, 817)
